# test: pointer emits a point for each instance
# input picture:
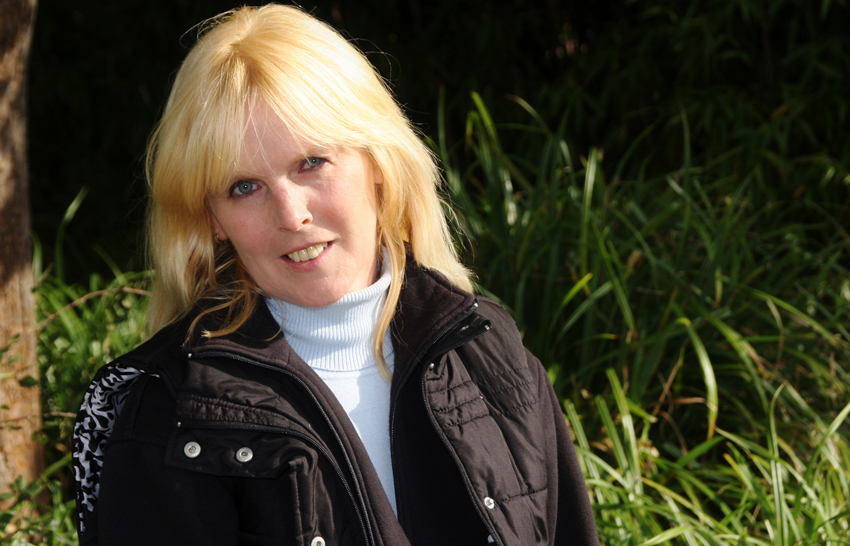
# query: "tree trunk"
(20, 404)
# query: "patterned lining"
(101, 405)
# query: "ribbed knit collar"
(337, 337)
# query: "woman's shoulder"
(158, 357)
(496, 312)
(116, 386)
(502, 331)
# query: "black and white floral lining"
(101, 405)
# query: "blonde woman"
(319, 371)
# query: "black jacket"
(235, 440)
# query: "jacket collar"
(428, 306)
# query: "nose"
(291, 204)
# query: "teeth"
(307, 253)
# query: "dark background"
(760, 74)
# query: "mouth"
(309, 253)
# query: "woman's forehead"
(269, 134)
(267, 123)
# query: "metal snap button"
(192, 449)
(317, 541)
(489, 503)
(431, 366)
(244, 454)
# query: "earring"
(217, 239)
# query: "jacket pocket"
(286, 490)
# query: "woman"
(320, 372)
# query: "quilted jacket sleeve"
(573, 516)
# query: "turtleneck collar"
(337, 337)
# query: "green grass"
(695, 329)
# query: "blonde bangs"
(323, 89)
(195, 151)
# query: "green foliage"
(697, 329)
(80, 328)
(30, 520)
(778, 494)
(761, 83)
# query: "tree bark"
(20, 404)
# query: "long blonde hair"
(327, 93)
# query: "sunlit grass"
(696, 333)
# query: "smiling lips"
(307, 253)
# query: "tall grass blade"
(666, 536)
(616, 444)
(70, 212)
(707, 372)
(633, 468)
(742, 347)
(781, 536)
(799, 315)
(583, 308)
(616, 284)
(586, 213)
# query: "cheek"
(246, 232)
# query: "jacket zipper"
(472, 495)
(418, 358)
(361, 507)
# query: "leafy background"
(658, 191)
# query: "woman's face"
(302, 218)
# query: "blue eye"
(243, 187)
(313, 162)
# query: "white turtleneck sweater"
(336, 341)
